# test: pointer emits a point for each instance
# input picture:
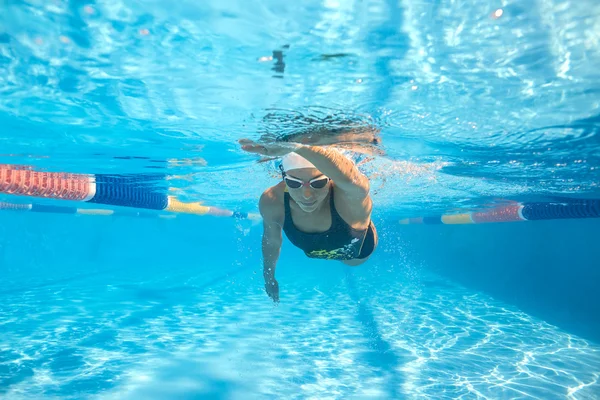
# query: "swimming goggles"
(316, 183)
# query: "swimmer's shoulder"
(271, 203)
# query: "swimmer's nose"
(307, 192)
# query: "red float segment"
(500, 214)
(52, 185)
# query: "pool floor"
(196, 335)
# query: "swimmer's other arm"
(271, 242)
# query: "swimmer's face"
(313, 188)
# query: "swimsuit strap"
(286, 204)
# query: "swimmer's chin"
(309, 208)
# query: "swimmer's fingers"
(252, 147)
(256, 149)
(274, 297)
(273, 150)
(272, 289)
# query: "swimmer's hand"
(272, 288)
(274, 149)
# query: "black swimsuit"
(339, 242)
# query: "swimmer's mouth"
(308, 204)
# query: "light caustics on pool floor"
(201, 336)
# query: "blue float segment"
(128, 191)
(53, 209)
(433, 220)
(578, 209)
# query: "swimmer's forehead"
(304, 173)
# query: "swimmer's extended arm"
(341, 170)
(271, 243)
(337, 167)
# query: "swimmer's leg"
(356, 262)
(369, 247)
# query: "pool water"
(475, 105)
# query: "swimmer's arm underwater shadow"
(364, 141)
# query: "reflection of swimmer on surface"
(319, 126)
(360, 140)
(322, 204)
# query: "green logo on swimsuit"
(343, 253)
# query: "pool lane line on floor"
(386, 358)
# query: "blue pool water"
(476, 104)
